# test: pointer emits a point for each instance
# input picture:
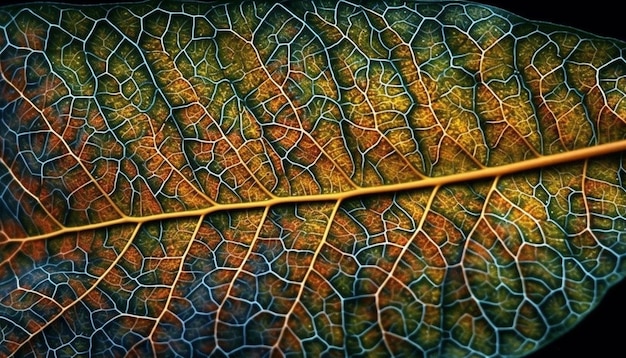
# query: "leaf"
(319, 178)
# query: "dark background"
(602, 332)
(600, 17)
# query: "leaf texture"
(304, 179)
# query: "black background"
(602, 332)
(599, 17)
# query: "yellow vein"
(238, 272)
(331, 219)
(431, 182)
(176, 280)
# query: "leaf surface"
(319, 178)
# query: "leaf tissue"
(315, 178)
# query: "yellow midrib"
(485, 173)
